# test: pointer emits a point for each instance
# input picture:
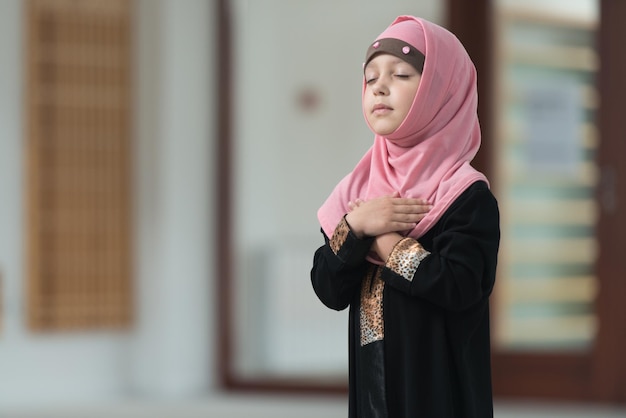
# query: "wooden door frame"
(597, 376)
(223, 223)
(471, 22)
(608, 379)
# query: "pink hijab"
(429, 155)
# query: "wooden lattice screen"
(78, 150)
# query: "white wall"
(172, 352)
(288, 159)
(169, 353)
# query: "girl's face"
(390, 87)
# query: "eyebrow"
(394, 61)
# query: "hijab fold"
(429, 155)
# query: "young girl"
(412, 235)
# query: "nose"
(380, 88)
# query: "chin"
(384, 132)
(383, 129)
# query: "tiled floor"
(274, 407)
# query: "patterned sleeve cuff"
(406, 257)
(340, 235)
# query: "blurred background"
(162, 162)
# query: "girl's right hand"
(386, 214)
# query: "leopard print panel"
(406, 257)
(371, 309)
(339, 236)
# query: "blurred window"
(78, 150)
(546, 178)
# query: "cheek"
(366, 100)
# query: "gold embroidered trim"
(339, 236)
(371, 309)
(406, 257)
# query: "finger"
(402, 226)
(408, 218)
(418, 209)
(410, 201)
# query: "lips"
(380, 109)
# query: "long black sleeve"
(336, 275)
